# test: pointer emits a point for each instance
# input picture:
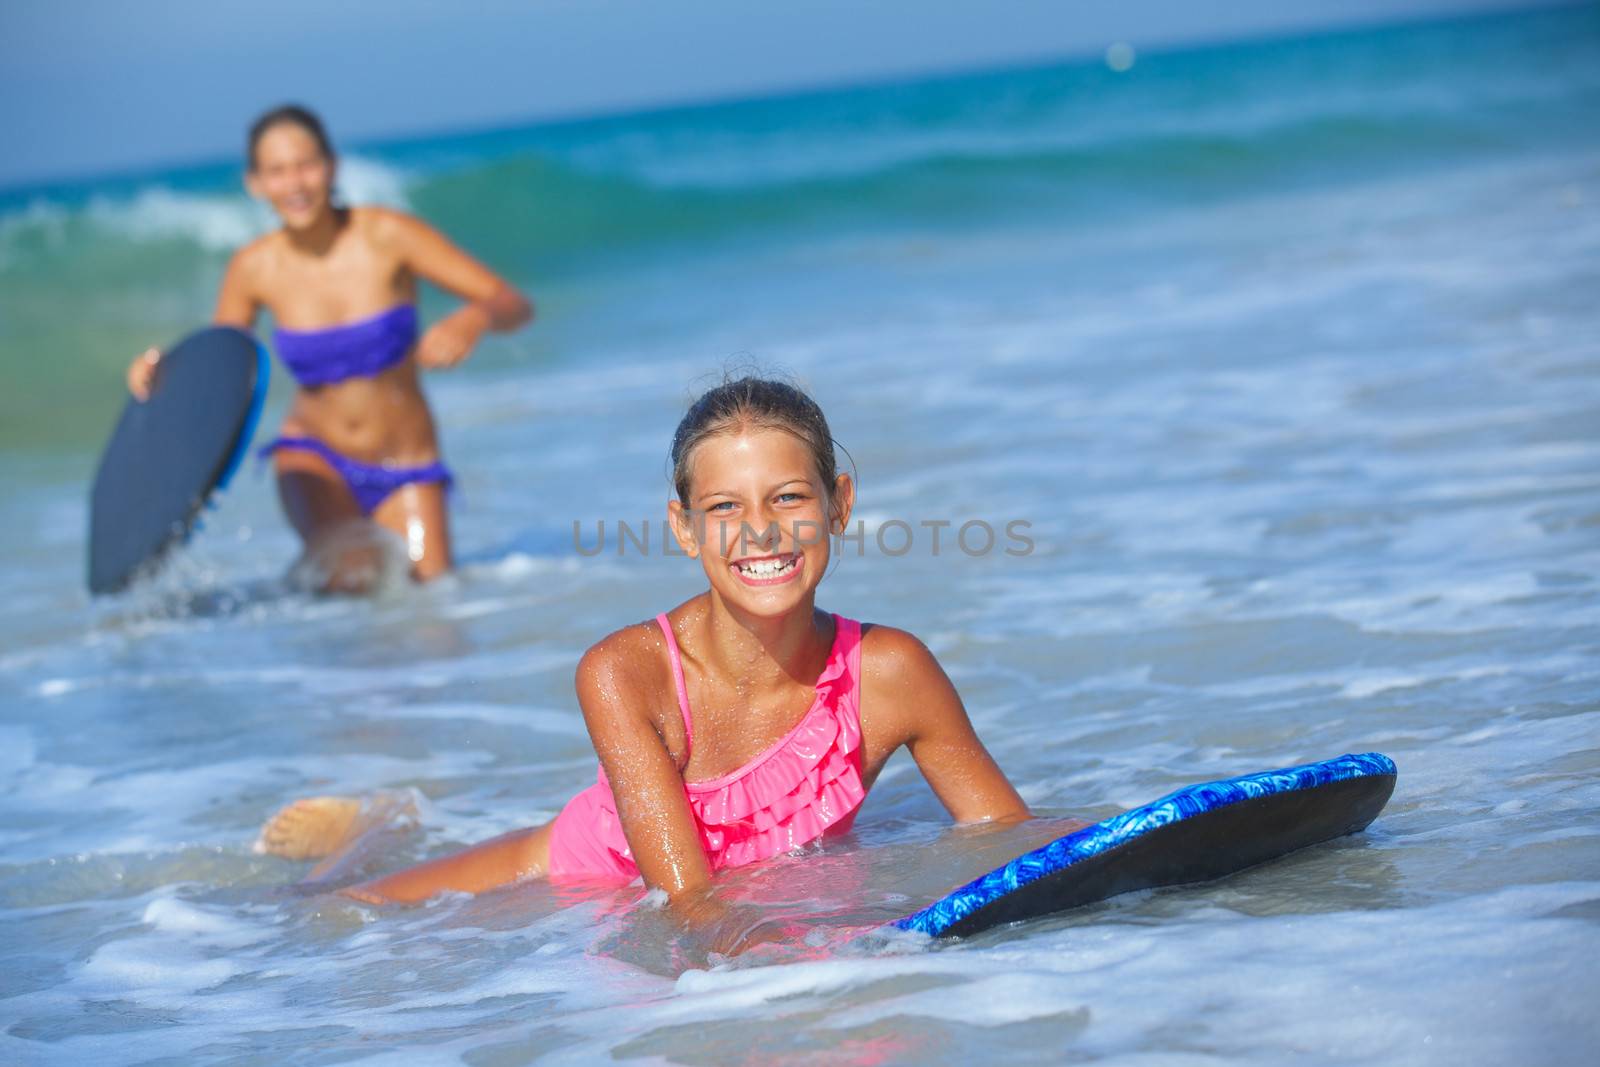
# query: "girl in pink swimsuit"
(740, 725)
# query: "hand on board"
(142, 373)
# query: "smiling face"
(758, 519)
(290, 171)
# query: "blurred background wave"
(582, 213)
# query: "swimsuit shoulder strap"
(850, 645)
(677, 676)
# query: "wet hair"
(753, 403)
(287, 115)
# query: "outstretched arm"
(911, 696)
(236, 306)
(491, 303)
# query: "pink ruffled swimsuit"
(805, 785)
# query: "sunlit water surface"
(1310, 460)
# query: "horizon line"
(31, 187)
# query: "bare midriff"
(377, 419)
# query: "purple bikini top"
(356, 349)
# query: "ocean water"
(1288, 355)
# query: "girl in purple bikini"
(359, 441)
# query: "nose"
(763, 533)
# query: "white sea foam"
(171, 916)
(164, 976)
(215, 221)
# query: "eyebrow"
(730, 493)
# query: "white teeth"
(767, 568)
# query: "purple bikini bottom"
(369, 483)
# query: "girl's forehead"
(754, 451)
(286, 139)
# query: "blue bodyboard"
(169, 453)
(1195, 834)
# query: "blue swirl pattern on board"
(1092, 840)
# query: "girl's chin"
(766, 601)
(768, 608)
(302, 219)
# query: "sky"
(101, 86)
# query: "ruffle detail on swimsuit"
(807, 784)
(358, 349)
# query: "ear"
(688, 527)
(841, 502)
(252, 184)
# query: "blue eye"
(720, 505)
(791, 496)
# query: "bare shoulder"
(894, 656)
(627, 663)
(904, 691)
(248, 281)
(254, 259)
(387, 226)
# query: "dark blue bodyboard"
(169, 453)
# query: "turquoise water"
(1287, 352)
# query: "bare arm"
(912, 696)
(236, 299)
(491, 303)
(651, 801)
(236, 306)
(614, 692)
